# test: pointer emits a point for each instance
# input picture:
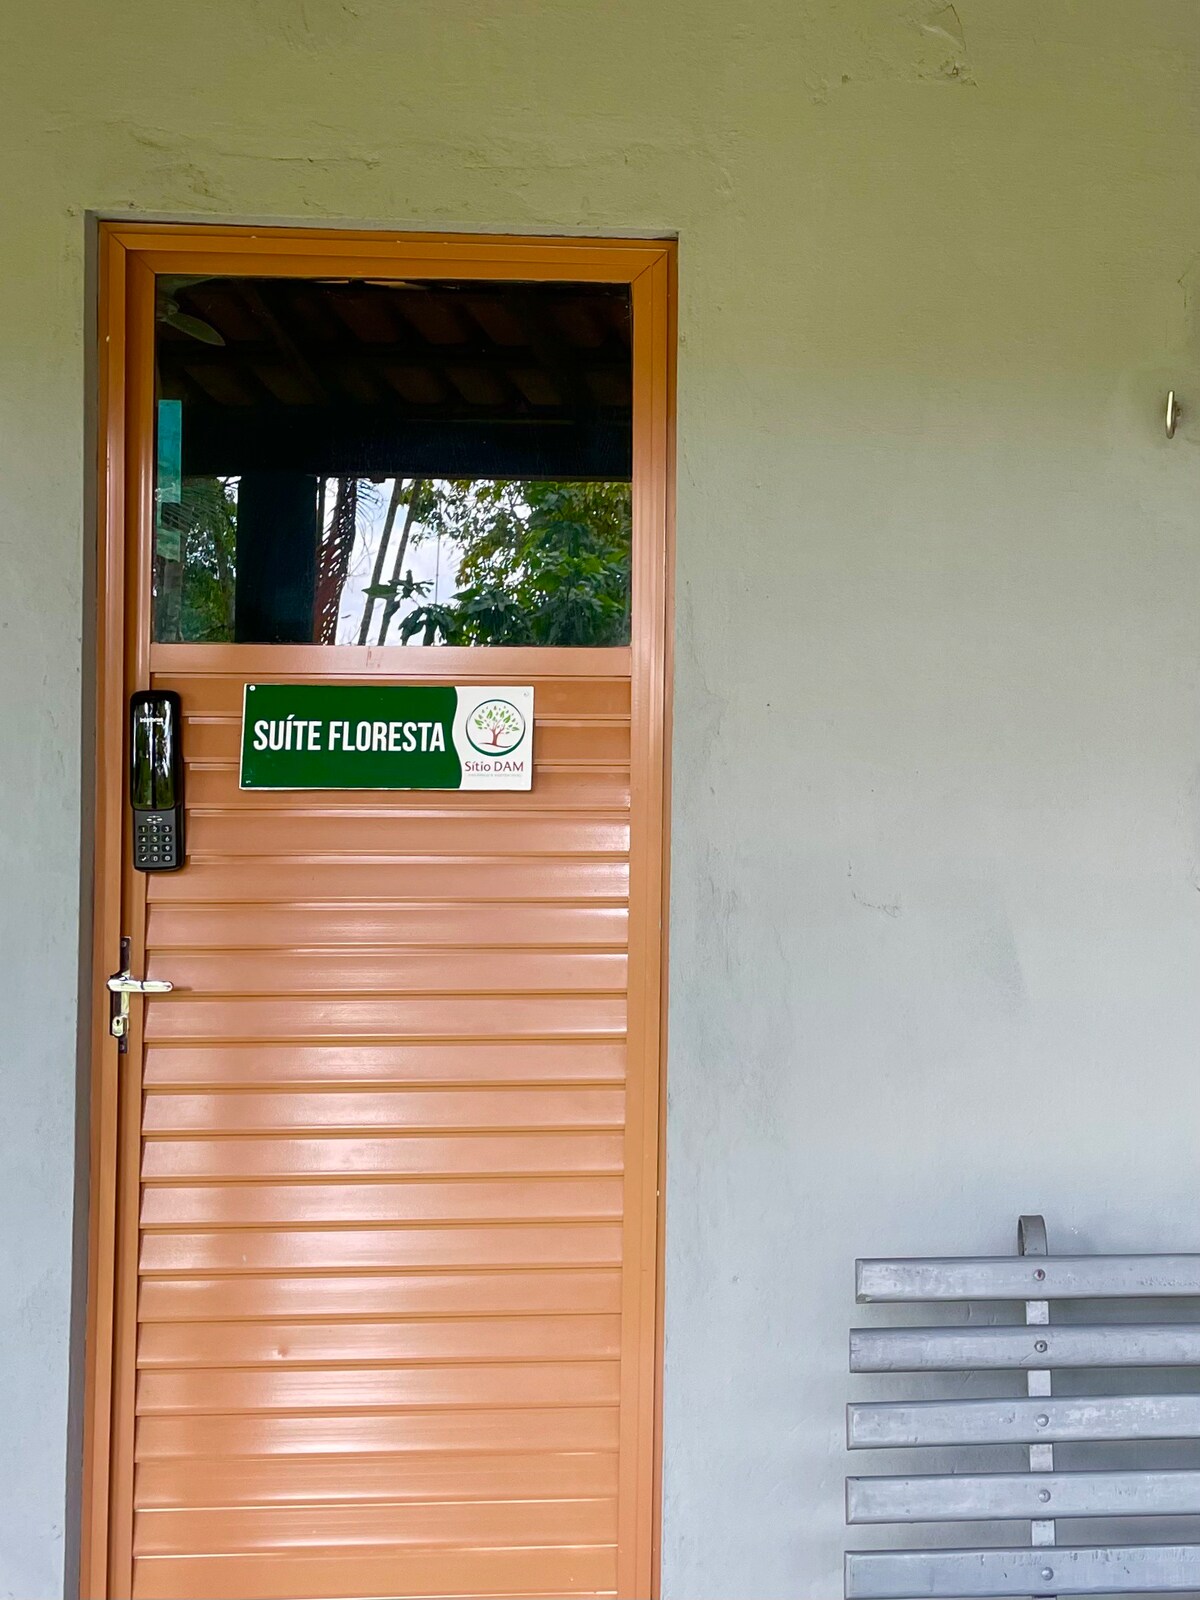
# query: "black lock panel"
(156, 780)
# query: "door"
(374, 1208)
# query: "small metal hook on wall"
(1174, 412)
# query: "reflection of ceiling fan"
(373, 283)
(167, 311)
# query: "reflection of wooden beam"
(406, 348)
(562, 360)
(284, 342)
(370, 442)
(313, 331)
(235, 376)
(500, 359)
(178, 384)
(501, 371)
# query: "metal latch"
(122, 984)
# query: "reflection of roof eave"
(319, 377)
(369, 442)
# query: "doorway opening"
(373, 1299)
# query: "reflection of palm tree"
(398, 586)
(334, 560)
(372, 592)
(394, 589)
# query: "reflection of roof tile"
(430, 351)
(433, 379)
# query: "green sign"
(168, 481)
(386, 736)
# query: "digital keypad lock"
(155, 841)
(156, 780)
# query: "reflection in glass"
(152, 753)
(196, 562)
(281, 517)
(419, 561)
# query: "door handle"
(123, 984)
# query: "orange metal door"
(380, 1313)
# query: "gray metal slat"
(1000, 1496)
(1045, 1420)
(971, 1574)
(1016, 1347)
(1017, 1278)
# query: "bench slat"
(925, 1574)
(1014, 1278)
(907, 1424)
(998, 1496)
(967, 1349)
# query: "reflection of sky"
(430, 560)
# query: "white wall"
(936, 924)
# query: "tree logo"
(495, 728)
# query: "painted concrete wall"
(936, 927)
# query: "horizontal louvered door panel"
(333, 883)
(316, 1574)
(438, 1523)
(187, 927)
(384, 1296)
(306, 1389)
(565, 789)
(428, 1061)
(190, 1017)
(447, 1430)
(359, 836)
(588, 742)
(245, 1205)
(535, 1155)
(368, 1479)
(380, 1258)
(352, 1247)
(400, 1110)
(477, 1339)
(371, 970)
(572, 699)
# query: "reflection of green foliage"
(539, 563)
(195, 593)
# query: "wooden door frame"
(130, 255)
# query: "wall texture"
(936, 923)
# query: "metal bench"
(1044, 1494)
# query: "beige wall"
(936, 928)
